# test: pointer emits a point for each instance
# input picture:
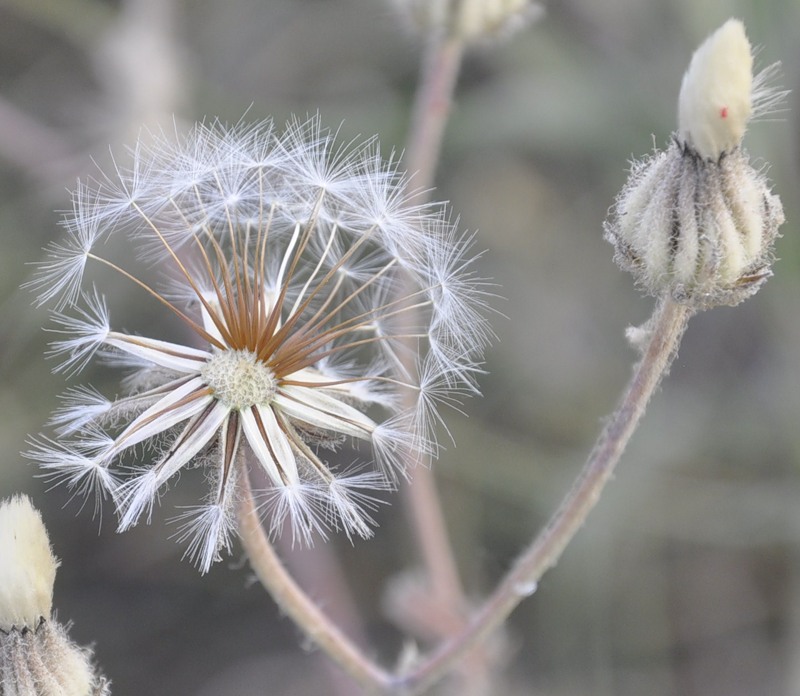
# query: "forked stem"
(665, 331)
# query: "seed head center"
(239, 379)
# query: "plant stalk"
(433, 101)
(666, 329)
(292, 600)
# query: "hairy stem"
(431, 111)
(432, 103)
(442, 586)
(666, 329)
(292, 600)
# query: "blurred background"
(686, 580)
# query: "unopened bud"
(471, 20)
(28, 568)
(37, 657)
(715, 101)
(696, 221)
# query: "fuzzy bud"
(697, 222)
(28, 568)
(715, 101)
(37, 657)
(471, 20)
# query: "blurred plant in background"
(36, 653)
(686, 580)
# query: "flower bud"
(37, 657)
(28, 570)
(470, 20)
(715, 101)
(696, 221)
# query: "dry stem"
(291, 598)
(665, 331)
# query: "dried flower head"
(314, 295)
(37, 657)
(470, 20)
(697, 221)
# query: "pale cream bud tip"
(715, 100)
(27, 565)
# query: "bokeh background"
(686, 580)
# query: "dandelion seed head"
(308, 287)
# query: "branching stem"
(665, 330)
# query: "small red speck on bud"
(723, 112)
